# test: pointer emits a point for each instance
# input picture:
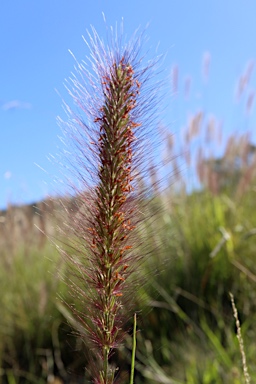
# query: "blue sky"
(35, 36)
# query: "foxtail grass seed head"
(109, 137)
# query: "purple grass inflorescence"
(109, 135)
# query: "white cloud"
(15, 104)
(7, 175)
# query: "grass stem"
(133, 348)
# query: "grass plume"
(109, 134)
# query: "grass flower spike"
(109, 135)
(111, 224)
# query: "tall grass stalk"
(134, 341)
(240, 340)
(108, 135)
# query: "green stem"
(105, 365)
(133, 349)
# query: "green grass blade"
(133, 349)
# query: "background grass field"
(200, 239)
(203, 247)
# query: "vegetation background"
(202, 238)
(203, 247)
